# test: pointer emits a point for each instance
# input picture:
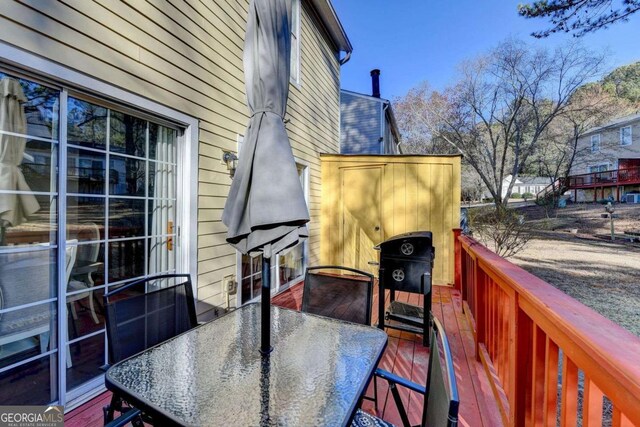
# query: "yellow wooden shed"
(368, 198)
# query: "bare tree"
(578, 16)
(417, 135)
(504, 101)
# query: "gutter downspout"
(346, 58)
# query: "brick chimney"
(375, 83)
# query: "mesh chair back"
(338, 292)
(441, 402)
(143, 314)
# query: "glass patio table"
(214, 375)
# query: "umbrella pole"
(265, 328)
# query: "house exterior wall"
(404, 193)
(188, 56)
(610, 148)
(360, 124)
(390, 142)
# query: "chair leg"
(399, 404)
(74, 314)
(93, 309)
(109, 410)
(375, 392)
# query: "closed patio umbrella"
(14, 208)
(266, 209)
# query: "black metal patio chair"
(140, 315)
(441, 399)
(338, 292)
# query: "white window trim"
(296, 16)
(622, 136)
(187, 189)
(599, 139)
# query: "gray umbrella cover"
(266, 208)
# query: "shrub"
(528, 196)
(516, 196)
(501, 229)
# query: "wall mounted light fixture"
(231, 160)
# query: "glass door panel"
(28, 251)
(120, 215)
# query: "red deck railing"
(549, 358)
(604, 179)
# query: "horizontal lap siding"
(360, 124)
(188, 56)
(610, 148)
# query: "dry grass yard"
(570, 252)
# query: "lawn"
(571, 252)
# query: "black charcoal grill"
(406, 262)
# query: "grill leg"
(426, 304)
(381, 301)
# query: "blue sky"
(416, 40)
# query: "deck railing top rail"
(609, 177)
(607, 354)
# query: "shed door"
(361, 216)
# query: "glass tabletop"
(214, 374)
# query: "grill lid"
(411, 235)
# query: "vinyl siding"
(359, 125)
(187, 55)
(610, 148)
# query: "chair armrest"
(125, 418)
(393, 378)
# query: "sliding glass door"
(87, 203)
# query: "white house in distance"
(525, 184)
(367, 123)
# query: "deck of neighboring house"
(405, 356)
(596, 181)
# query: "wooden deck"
(404, 356)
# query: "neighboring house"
(130, 106)
(525, 184)
(616, 145)
(601, 152)
(367, 123)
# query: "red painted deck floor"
(404, 356)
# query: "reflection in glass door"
(28, 241)
(120, 217)
(115, 221)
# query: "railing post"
(457, 260)
(480, 300)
